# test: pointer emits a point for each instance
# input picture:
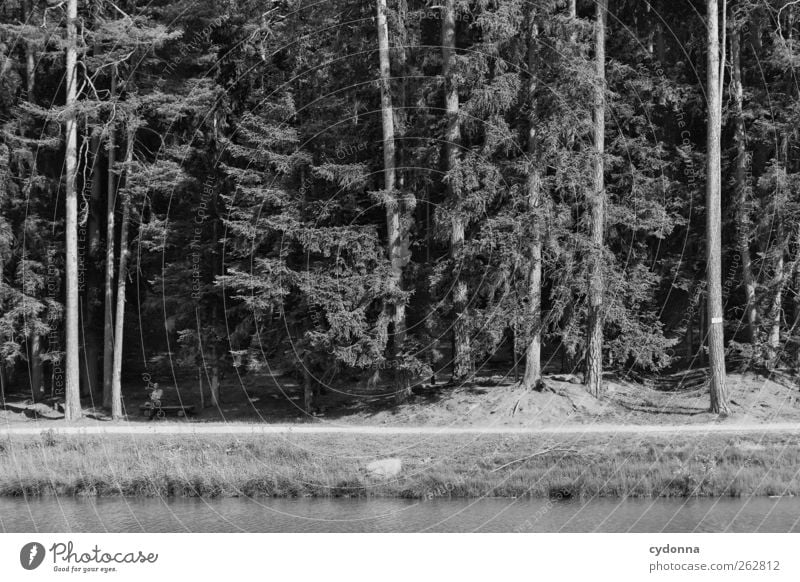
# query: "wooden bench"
(157, 410)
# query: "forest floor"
(492, 401)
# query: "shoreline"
(458, 465)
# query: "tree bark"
(702, 331)
(308, 389)
(72, 408)
(89, 368)
(3, 382)
(741, 188)
(795, 274)
(108, 324)
(716, 340)
(214, 383)
(533, 365)
(34, 339)
(594, 335)
(774, 337)
(30, 57)
(397, 240)
(779, 279)
(572, 9)
(119, 325)
(661, 49)
(35, 365)
(462, 364)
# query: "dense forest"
(393, 191)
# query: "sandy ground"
(492, 403)
(256, 429)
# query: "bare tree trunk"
(461, 344)
(30, 58)
(716, 340)
(200, 384)
(214, 384)
(572, 9)
(594, 335)
(215, 353)
(119, 325)
(779, 280)
(72, 408)
(34, 339)
(774, 337)
(308, 389)
(397, 240)
(3, 382)
(108, 323)
(703, 332)
(661, 49)
(742, 210)
(533, 352)
(795, 274)
(89, 367)
(35, 365)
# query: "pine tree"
(396, 220)
(719, 398)
(533, 366)
(741, 187)
(462, 360)
(72, 406)
(597, 203)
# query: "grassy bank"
(442, 466)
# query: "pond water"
(60, 515)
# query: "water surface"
(66, 514)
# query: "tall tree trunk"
(30, 59)
(215, 348)
(690, 337)
(35, 365)
(397, 241)
(594, 335)
(34, 339)
(740, 176)
(533, 364)
(462, 364)
(214, 383)
(572, 9)
(91, 340)
(779, 279)
(3, 382)
(795, 275)
(702, 332)
(716, 340)
(122, 277)
(108, 321)
(776, 309)
(661, 49)
(308, 388)
(72, 408)
(89, 368)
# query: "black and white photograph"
(525, 267)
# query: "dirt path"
(250, 429)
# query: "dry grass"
(458, 466)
